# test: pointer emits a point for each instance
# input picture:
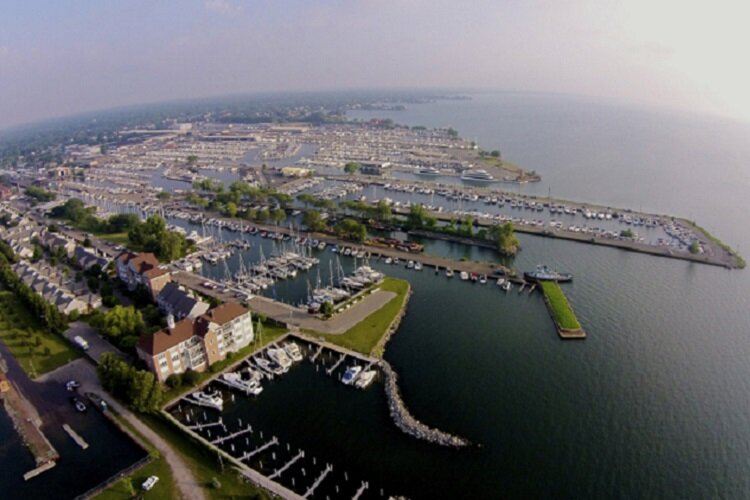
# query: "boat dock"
(279, 472)
(321, 477)
(75, 437)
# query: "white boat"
(464, 276)
(388, 260)
(417, 266)
(293, 351)
(483, 279)
(507, 286)
(236, 381)
(365, 379)
(410, 264)
(350, 375)
(428, 171)
(500, 281)
(477, 175)
(264, 365)
(279, 356)
(449, 273)
(208, 399)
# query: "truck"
(81, 342)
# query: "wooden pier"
(321, 477)
(74, 435)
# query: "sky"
(64, 57)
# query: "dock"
(291, 462)
(74, 435)
(35, 472)
(336, 364)
(319, 480)
(250, 454)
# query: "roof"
(166, 339)
(180, 301)
(225, 313)
(142, 263)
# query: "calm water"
(655, 403)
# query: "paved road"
(97, 345)
(85, 373)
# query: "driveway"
(97, 345)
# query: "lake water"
(656, 401)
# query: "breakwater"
(406, 422)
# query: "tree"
(495, 153)
(230, 210)
(383, 211)
(264, 214)
(138, 388)
(695, 247)
(351, 229)
(507, 243)
(326, 309)
(278, 215)
(122, 321)
(164, 195)
(351, 167)
(314, 221)
(418, 216)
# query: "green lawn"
(561, 310)
(116, 238)
(365, 335)
(21, 332)
(270, 333)
(204, 464)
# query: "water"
(77, 470)
(655, 403)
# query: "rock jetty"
(406, 422)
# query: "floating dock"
(74, 435)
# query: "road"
(85, 373)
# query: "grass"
(739, 260)
(20, 331)
(365, 335)
(159, 467)
(116, 238)
(561, 310)
(270, 333)
(203, 463)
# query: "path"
(85, 373)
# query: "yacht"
(279, 356)
(417, 266)
(449, 273)
(293, 351)
(236, 381)
(464, 276)
(208, 399)
(483, 279)
(350, 375)
(388, 260)
(410, 264)
(428, 171)
(264, 365)
(365, 379)
(500, 281)
(477, 175)
(543, 273)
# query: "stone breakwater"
(379, 348)
(406, 422)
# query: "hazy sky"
(61, 57)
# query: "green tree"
(230, 210)
(351, 229)
(326, 309)
(503, 234)
(278, 215)
(383, 211)
(351, 167)
(164, 195)
(313, 221)
(122, 321)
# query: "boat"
(474, 277)
(507, 286)
(477, 175)
(483, 279)
(79, 405)
(543, 273)
(417, 266)
(264, 365)
(279, 356)
(208, 399)
(388, 260)
(293, 351)
(449, 273)
(464, 276)
(500, 281)
(410, 264)
(350, 375)
(236, 381)
(365, 379)
(72, 385)
(428, 171)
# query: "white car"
(149, 483)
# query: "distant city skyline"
(63, 58)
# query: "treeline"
(40, 195)
(150, 235)
(46, 312)
(139, 389)
(240, 199)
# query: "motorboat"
(417, 266)
(208, 399)
(293, 351)
(449, 273)
(543, 273)
(350, 375)
(464, 276)
(279, 356)
(365, 379)
(236, 381)
(477, 175)
(79, 405)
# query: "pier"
(233, 435)
(361, 490)
(291, 462)
(336, 365)
(250, 454)
(319, 480)
(74, 435)
(317, 353)
(200, 427)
